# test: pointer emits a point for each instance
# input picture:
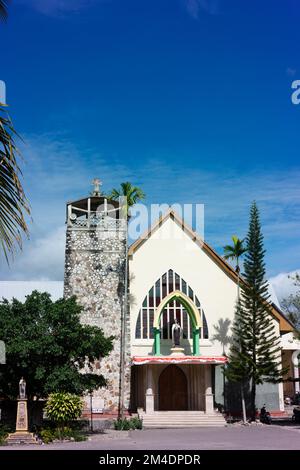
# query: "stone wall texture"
(95, 274)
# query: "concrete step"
(183, 426)
(185, 423)
(18, 438)
(196, 420)
(181, 413)
(188, 422)
(183, 419)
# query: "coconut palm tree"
(3, 9)
(13, 203)
(132, 193)
(235, 252)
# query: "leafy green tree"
(132, 193)
(48, 346)
(257, 351)
(291, 304)
(62, 408)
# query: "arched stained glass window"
(169, 282)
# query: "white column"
(69, 214)
(209, 398)
(281, 396)
(149, 390)
(296, 376)
(89, 212)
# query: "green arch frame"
(192, 311)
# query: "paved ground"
(229, 438)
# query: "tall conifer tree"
(261, 340)
(255, 353)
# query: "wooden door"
(172, 389)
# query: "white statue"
(176, 333)
(22, 388)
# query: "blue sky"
(189, 99)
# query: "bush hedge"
(128, 424)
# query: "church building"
(169, 300)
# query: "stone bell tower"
(95, 266)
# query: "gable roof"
(284, 324)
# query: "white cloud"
(283, 284)
(19, 289)
(40, 260)
(56, 170)
(280, 287)
(273, 295)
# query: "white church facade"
(172, 276)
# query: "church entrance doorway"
(172, 389)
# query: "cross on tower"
(96, 183)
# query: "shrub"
(69, 433)
(62, 408)
(136, 423)
(47, 435)
(127, 424)
(78, 436)
(119, 424)
(50, 435)
(4, 431)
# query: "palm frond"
(115, 194)
(132, 193)
(13, 203)
(3, 10)
(236, 250)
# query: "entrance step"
(182, 419)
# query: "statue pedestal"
(21, 436)
(22, 416)
(177, 351)
(18, 438)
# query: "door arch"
(172, 389)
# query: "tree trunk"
(243, 404)
(253, 398)
(224, 388)
(123, 333)
(242, 384)
(238, 286)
